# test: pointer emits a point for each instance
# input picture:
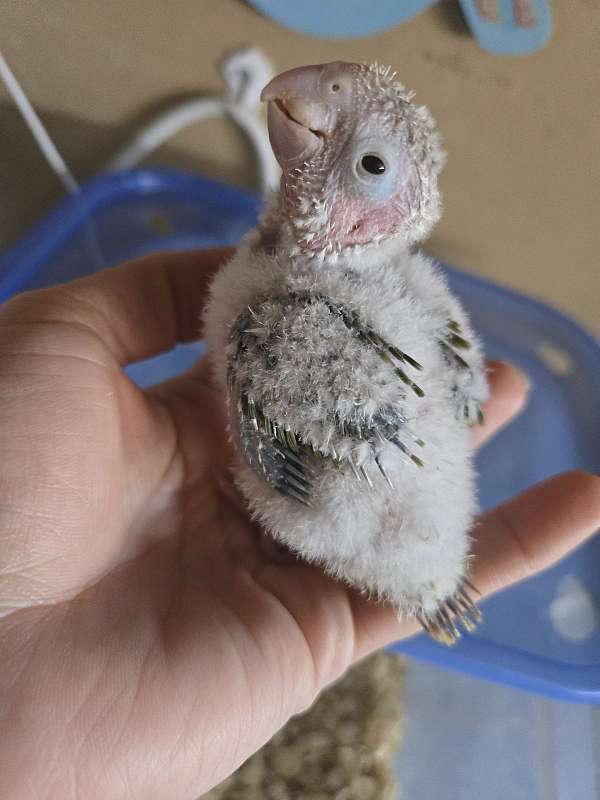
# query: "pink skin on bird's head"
(359, 160)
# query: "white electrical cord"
(167, 124)
(52, 156)
(40, 134)
(244, 73)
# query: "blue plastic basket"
(120, 216)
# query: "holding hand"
(149, 641)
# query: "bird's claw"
(460, 609)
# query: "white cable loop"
(244, 72)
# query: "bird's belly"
(407, 542)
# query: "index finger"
(508, 394)
(529, 533)
(138, 309)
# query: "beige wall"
(522, 186)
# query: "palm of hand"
(162, 603)
(155, 645)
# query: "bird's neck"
(302, 227)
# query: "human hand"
(149, 640)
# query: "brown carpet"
(343, 747)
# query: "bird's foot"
(458, 610)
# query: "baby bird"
(351, 372)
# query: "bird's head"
(359, 159)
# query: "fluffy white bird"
(352, 373)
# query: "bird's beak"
(297, 117)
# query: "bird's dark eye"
(335, 87)
(372, 164)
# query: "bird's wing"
(455, 347)
(275, 452)
(398, 359)
(278, 453)
(270, 448)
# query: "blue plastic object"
(120, 216)
(506, 27)
(510, 27)
(340, 18)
